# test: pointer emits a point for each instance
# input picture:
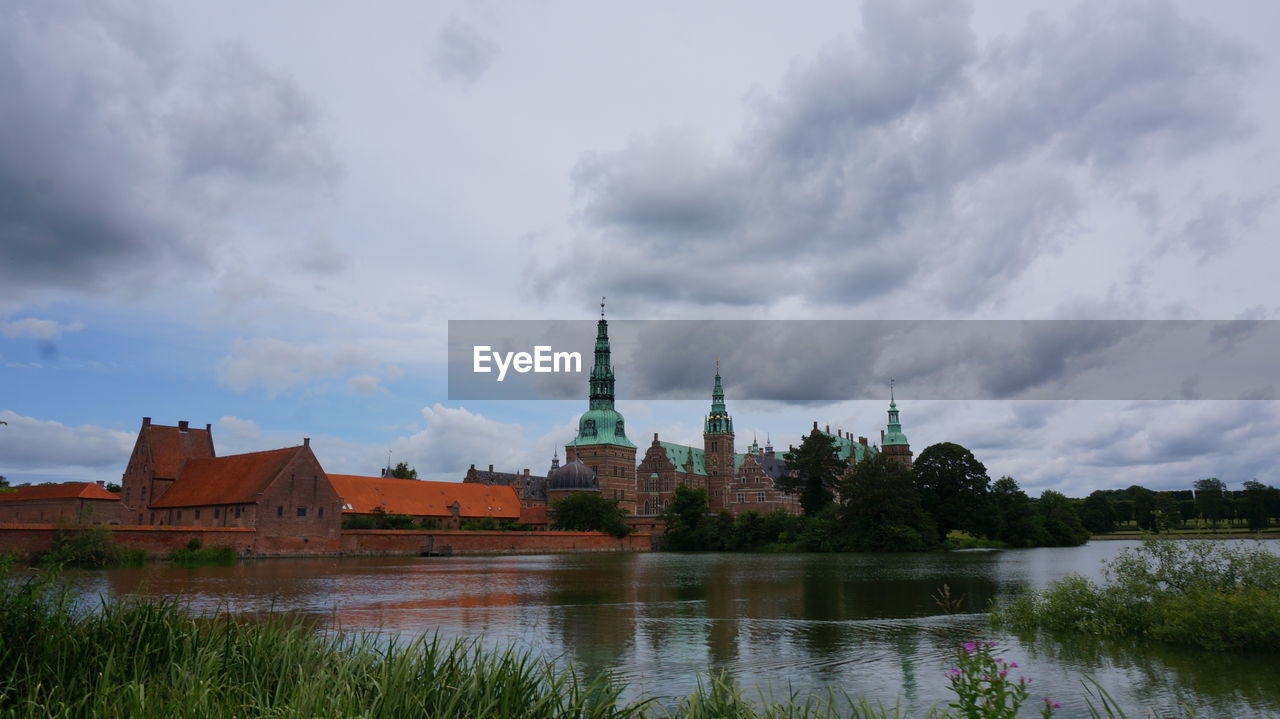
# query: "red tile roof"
(170, 446)
(65, 490)
(360, 495)
(235, 479)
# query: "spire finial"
(890, 389)
(602, 299)
(717, 365)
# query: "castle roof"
(847, 446)
(417, 498)
(235, 479)
(63, 490)
(171, 446)
(574, 476)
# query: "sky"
(263, 216)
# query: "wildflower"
(969, 647)
(1013, 665)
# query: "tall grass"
(1205, 594)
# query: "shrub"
(1200, 593)
(88, 547)
(196, 555)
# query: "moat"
(863, 623)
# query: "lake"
(778, 622)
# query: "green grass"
(1197, 593)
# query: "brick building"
(284, 494)
(158, 456)
(70, 502)
(602, 443)
(531, 488)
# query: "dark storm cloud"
(961, 158)
(118, 154)
(834, 361)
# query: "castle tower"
(602, 443)
(717, 445)
(894, 444)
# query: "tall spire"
(601, 382)
(719, 421)
(893, 432)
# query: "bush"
(1199, 593)
(195, 555)
(87, 547)
(588, 512)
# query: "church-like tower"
(717, 445)
(602, 442)
(893, 442)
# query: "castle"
(602, 459)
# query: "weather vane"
(602, 306)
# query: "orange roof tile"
(65, 490)
(235, 479)
(360, 495)
(170, 447)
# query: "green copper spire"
(601, 423)
(893, 434)
(719, 421)
(602, 371)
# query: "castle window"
(237, 512)
(759, 496)
(179, 514)
(321, 512)
(741, 498)
(618, 429)
(197, 514)
(302, 511)
(589, 428)
(216, 513)
(279, 511)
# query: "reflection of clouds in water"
(865, 624)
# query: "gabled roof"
(678, 454)
(64, 490)
(170, 446)
(845, 445)
(361, 495)
(235, 479)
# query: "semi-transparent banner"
(832, 360)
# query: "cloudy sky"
(262, 216)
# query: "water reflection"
(864, 623)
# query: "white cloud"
(38, 329)
(278, 366)
(28, 443)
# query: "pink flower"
(969, 647)
(1013, 665)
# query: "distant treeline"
(1208, 503)
(877, 505)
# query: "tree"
(1062, 525)
(1167, 514)
(1097, 514)
(686, 519)
(1211, 499)
(813, 469)
(954, 488)
(881, 509)
(588, 512)
(404, 471)
(112, 487)
(1015, 521)
(1257, 499)
(1144, 503)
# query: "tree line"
(878, 505)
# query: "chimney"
(208, 427)
(182, 425)
(100, 482)
(882, 436)
(491, 468)
(828, 429)
(473, 465)
(306, 441)
(146, 421)
(862, 441)
(839, 432)
(815, 425)
(526, 471)
(655, 436)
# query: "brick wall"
(23, 539)
(408, 542)
(69, 509)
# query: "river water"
(864, 624)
